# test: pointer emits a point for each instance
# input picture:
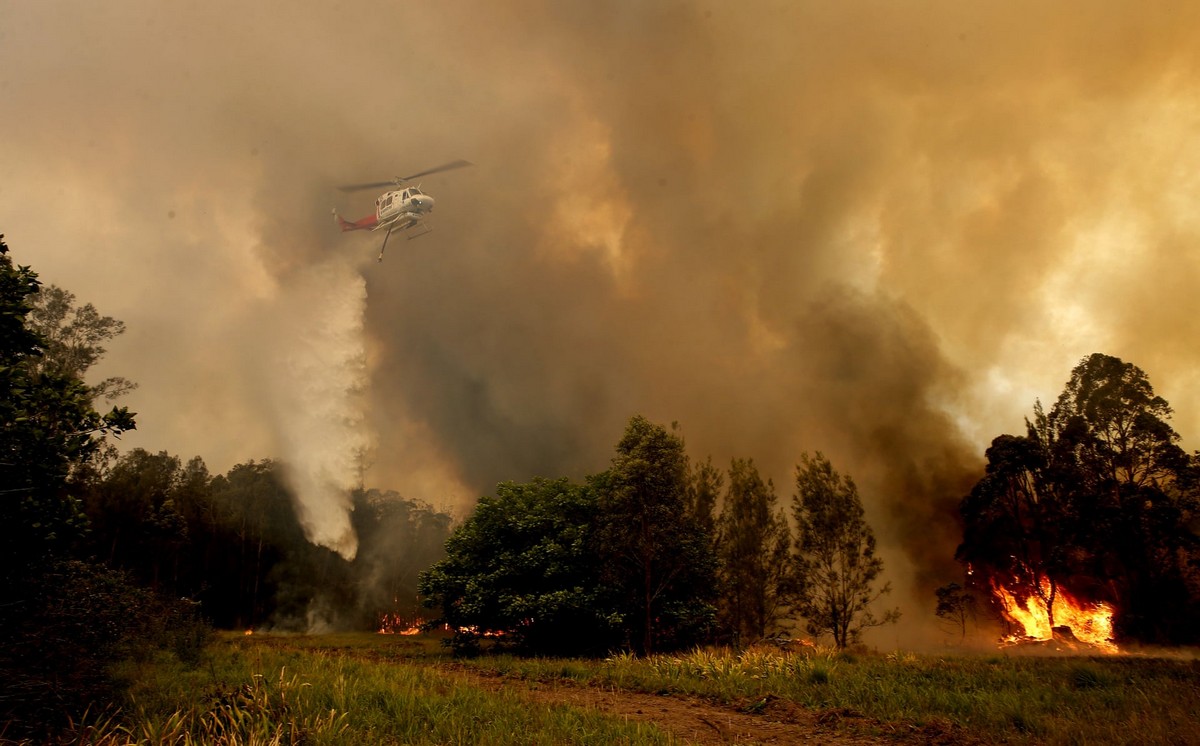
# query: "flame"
(473, 629)
(394, 624)
(248, 632)
(1089, 623)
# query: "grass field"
(354, 689)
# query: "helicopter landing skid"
(425, 228)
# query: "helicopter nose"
(425, 203)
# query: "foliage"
(397, 540)
(60, 620)
(522, 566)
(955, 606)
(654, 552)
(753, 544)
(63, 628)
(233, 542)
(835, 561)
(1098, 498)
(1016, 520)
(552, 566)
(48, 430)
(703, 492)
(72, 338)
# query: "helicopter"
(399, 209)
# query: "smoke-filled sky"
(880, 229)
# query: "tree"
(61, 621)
(835, 561)
(1096, 498)
(753, 545)
(1016, 520)
(1114, 427)
(704, 489)
(955, 606)
(72, 338)
(1114, 451)
(522, 567)
(656, 557)
(397, 540)
(48, 430)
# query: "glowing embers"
(1074, 621)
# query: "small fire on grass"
(248, 632)
(1074, 622)
(394, 624)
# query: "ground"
(697, 721)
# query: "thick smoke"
(879, 230)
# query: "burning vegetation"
(395, 624)
(1052, 615)
(1080, 530)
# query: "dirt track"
(696, 721)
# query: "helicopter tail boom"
(367, 223)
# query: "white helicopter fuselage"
(406, 205)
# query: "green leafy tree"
(522, 567)
(656, 556)
(73, 338)
(704, 490)
(835, 562)
(753, 548)
(49, 431)
(1111, 425)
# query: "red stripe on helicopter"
(368, 222)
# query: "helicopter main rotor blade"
(370, 185)
(401, 179)
(435, 170)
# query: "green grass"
(349, 689)
(341, 690)
(1062, 700)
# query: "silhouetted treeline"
(233, 543)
